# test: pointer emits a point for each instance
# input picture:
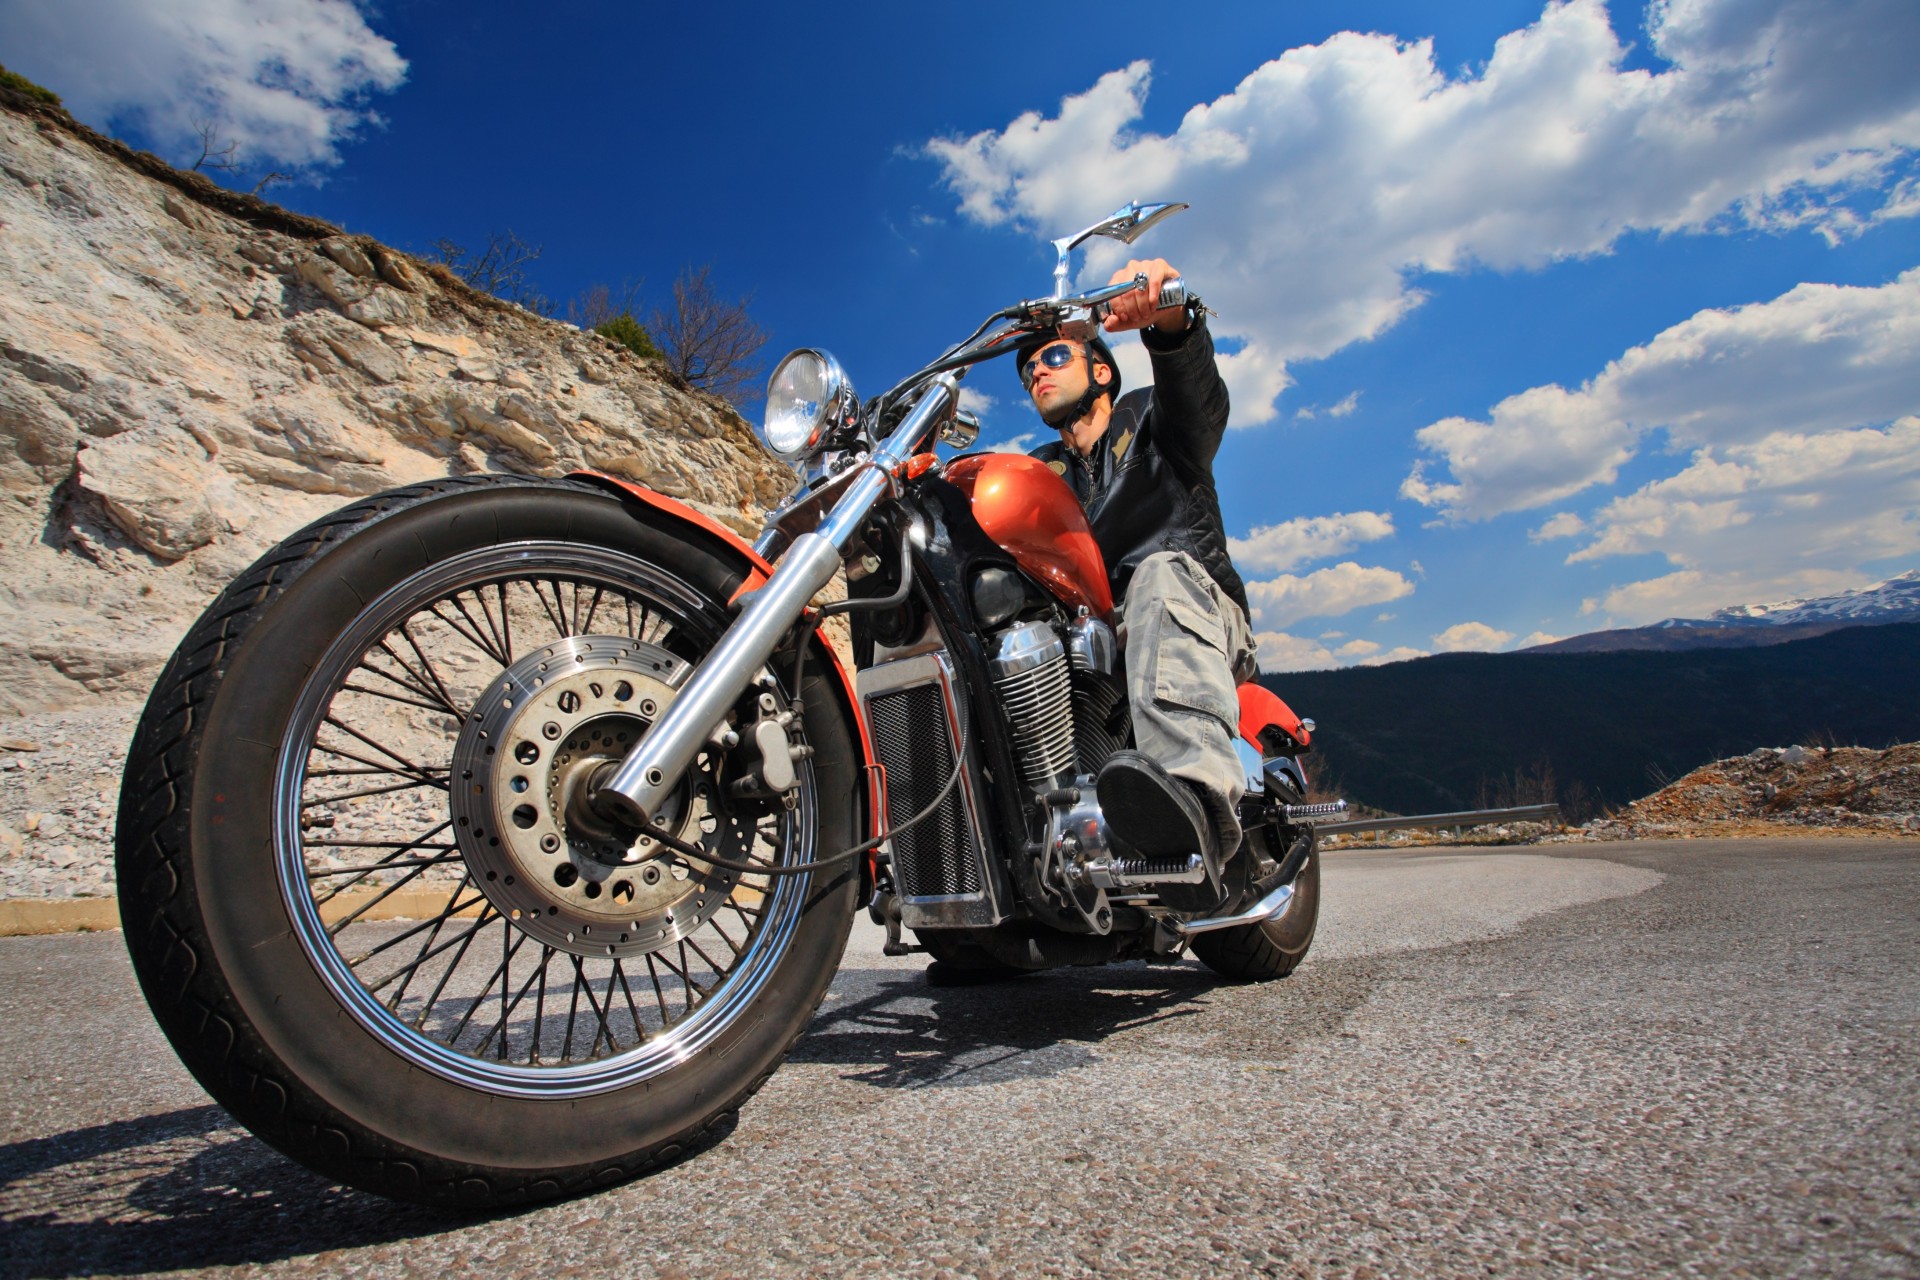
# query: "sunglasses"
(1057, 356)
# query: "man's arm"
(1189, 396)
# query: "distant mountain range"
(1748, 626)
(1592, 730)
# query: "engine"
(1065, 703)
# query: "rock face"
(187, 378)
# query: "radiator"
(941, 867)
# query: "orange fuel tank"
(1022, 505)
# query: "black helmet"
(1098, 352)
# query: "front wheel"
(365, 894)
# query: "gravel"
(59, 788)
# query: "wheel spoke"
(387, 744)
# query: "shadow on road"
(897, 1032)
(178, 1191)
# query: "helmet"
(1098, 352)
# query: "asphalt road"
(1633, 1059)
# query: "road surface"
(1628, 1059)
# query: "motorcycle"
(494, 838)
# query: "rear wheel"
(364, 892)
(1257, 952)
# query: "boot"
(1153, 814)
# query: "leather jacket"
(1147, 484)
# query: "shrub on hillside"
(20, 84)
(629, 333)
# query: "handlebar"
(1030, 316)
(1173, 293)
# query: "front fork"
(644, 780)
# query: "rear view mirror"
(1125, 224)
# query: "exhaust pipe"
(1271, 907)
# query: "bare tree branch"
(708, 340)
(212, 155)
(600, 304)
(499, 268)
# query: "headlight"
(808, 399)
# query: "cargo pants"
(1187, 645)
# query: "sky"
(1537, 320)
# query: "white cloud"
(1324, 593)
(285, 79)
(1817, 358)
(1346, 405)
(1306, 538)
(1537, 638)
(1279, 651)
(1564, 525)
(1399, 654)
(1344, 168)
(1471, 637)
(1788, 515)
(977, 401)
(1357, 649)
(1022, 443)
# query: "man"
(1142, 467)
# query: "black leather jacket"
(1147, 484)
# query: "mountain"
(188, 374)
(1750, 625)
(1460, 731)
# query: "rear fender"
(1270, 724)
(664, 512)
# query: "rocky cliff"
(187, 375)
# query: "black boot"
(1153, 814)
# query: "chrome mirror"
(1125, 224)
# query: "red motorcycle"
(493, 838)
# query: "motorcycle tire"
(1259, 952)
(296, 767)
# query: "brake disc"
(522, 771)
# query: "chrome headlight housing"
(810, 404)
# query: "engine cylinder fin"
(1030, 676)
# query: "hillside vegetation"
(1595, 730)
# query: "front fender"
(658, 507)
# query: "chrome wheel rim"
(384, 873)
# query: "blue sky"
(1540, 319)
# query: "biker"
(1142, 466)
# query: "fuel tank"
(1022, 505)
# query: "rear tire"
(1258, 952)
(300, 726)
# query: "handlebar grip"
(1173, 293)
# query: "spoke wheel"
(368, 896)
(443, 751)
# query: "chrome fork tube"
(654, 766)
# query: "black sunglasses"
(1056, 356)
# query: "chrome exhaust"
(1271, 907)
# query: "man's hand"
(1138, 310)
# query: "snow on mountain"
(1747, 625)
(1896, 599)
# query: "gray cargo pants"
(1187, 642)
